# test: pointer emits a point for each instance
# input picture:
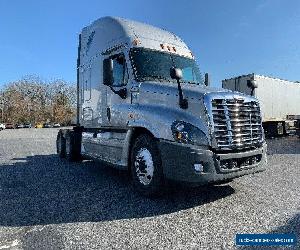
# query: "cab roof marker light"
(136, 42)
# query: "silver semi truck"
(143, 106)
(279, 99)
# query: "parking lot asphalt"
(49, 203)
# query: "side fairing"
(91, 94)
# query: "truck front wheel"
(146, 166)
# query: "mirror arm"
(182, 102)
(180, 94)
(176, 73)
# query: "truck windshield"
(155, 65)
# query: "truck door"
(116, 111)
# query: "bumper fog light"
(198, 167)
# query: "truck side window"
(119, 71)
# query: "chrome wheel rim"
(144, 166)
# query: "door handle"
(108, 113)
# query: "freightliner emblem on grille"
(237, 98)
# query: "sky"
(228, 38)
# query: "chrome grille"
(236, 123)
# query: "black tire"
(72, 147)
(146, 144)
(69, 146)
(61, 145)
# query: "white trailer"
(279, 99)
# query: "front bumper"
(178, 163)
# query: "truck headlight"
(184, 132)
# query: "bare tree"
(34, 100)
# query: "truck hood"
(189, 90)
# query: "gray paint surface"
(104, 37)
(152, 105)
